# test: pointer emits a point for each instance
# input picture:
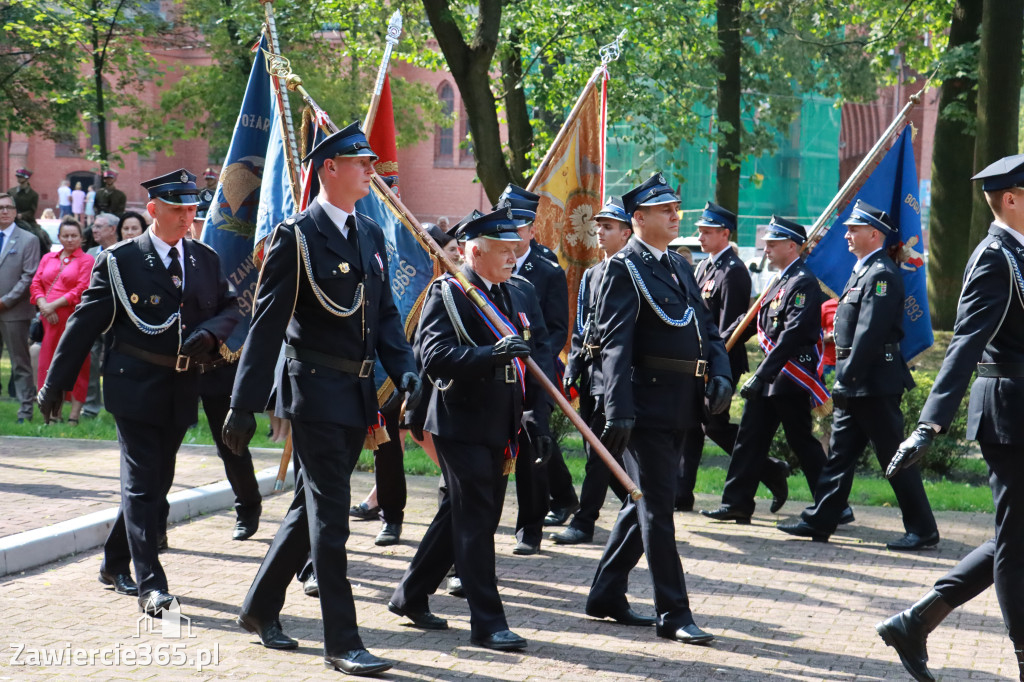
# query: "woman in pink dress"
(78, 203)
(56, 289)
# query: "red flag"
(382, 139)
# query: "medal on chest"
(708, 290)
(777, 301)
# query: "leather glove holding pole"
(719, 394)
(239, 428)
(295, 84)
(412, 387)
(509, 347)
(911, 450)
(199, 344)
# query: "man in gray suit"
(104, 232)
(19, 258)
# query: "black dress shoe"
(688, 634)
(804, 530)
(559, 515)
(121, 582)
(503, 640)
(571, 536)
(524, 548)
(911, 542)
(455, 587)
(778, 485)
(622, 616)
(389, 534)
(726, 514)
(311, 587)
(270, 633)
(846, 517)
(155, 602)
(364, 513)
(358, 662)
(245, 527)
(423, 620)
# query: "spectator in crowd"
(132, 225)
(56, 289)
(19, 258)
(90, 206)
(48, 214)
(104, 232)
(64, 198)
(78, 203)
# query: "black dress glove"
(511, 346)
(543, 448)
(411, 385)
(839, 397)
(239, 428)
(199, 344)
(753, 389)
(911, 450)
(719, 394)
(568, 382)
(50, 402)
(616, 435)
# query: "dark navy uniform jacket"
(548, 278)
(630, 329)
(290, 309)
(989, 328)
(134, 388)
(790, 316)
(471, 399)
(580, 363)
(869, 321)
(725, 290)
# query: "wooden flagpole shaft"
(564, 130)
(851, 185)
(282, 468)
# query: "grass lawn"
(869, 488)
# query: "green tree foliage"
(335, 46)
(85, 62)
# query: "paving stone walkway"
(781, 608)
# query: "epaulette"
(880, 265)
(204, 244)
(119, 245)
(368, 219)
(520, 278)
(620, 255)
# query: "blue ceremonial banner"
(231, 221)
(893, 188)
(409, 264)
(276, 200)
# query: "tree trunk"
(727, 175)
(98, 57)
(999, 79)
(520, 133)
(950, 218)
(471, 68)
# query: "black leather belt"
(1000, 369)
(506, 373)
(891, 350)
(697, 368)
(363, 369)
(206, 367)
(180, 363)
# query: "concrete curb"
(40, 546)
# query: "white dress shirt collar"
(337, 215)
